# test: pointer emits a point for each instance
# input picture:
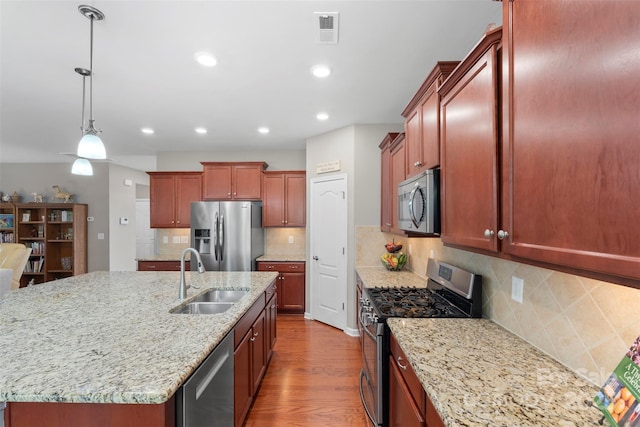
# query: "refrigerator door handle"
(215, 238)
(221, 238)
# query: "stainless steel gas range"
(450, 292)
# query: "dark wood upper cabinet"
(469, 148)
(171, 194)
(422, 121)
(284, 199)
(386, 203)
(571, 134)
(232, 180)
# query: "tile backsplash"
(586, 324)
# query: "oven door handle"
(366, 329)
(364, 403)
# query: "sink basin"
(221, 296)
(204, 308)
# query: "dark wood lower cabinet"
(255, 335)
(291, 285)
(403, 410)
(53, 414)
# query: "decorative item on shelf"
(66, 263)
(61, 195)
(37, 198)
(15, 197)
(6, 198)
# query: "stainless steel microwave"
(419, 203)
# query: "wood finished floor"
(312, 379)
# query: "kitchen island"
(110, 337)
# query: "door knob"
(315, 258)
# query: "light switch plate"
(290, 239)
(184, 239)
(517, 289)
(176, 239)
(165, 239)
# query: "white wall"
(122, 204)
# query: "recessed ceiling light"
(263, 130)
(322, 116)
(321, 71)
(205, 59)
(201, 130)
(147, 131)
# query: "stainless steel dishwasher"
(206, 398)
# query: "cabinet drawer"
(162, 265)
(408, 374)
(245, 323)
(271, 290)
(281, 267)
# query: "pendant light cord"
(90, 77)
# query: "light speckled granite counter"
(108, 337)
(478, 374)
(282, 258)
(380, 276)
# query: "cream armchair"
(14, 256)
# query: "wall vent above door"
(327, 27)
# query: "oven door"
(371, 374)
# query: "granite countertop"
(477, 373)
(380, 276)
(108, 337)
(282, 258)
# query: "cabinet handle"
(252, 339)
(502, 234)
(270, 267)
(228, 194)
(235, 194)
(178, 222)
(488, 233)
(151, 266)
(273, 306)
(255, 334)
(293, 266)
(404, 367)
(282, 221)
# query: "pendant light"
(82, 167)
(90, 146)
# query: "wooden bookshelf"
(57, 236)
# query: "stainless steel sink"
(220, 295)
(214, 301)
(204, 308)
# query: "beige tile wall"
(585, 324)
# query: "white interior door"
(328, 243)
(145, 235)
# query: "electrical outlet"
(165, 239)
(100, 236)
(184, 239)
(176, 239)
(517, 289)
(290, 239)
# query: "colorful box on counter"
(618, 397)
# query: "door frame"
(312, 286)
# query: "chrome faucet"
(183, 282)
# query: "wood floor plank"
(312, 380)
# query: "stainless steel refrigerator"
(228, 235)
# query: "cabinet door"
(162, 207)
(247, 182)
(571, 134)
(469, 138)
(385, 189)
(258, 351)
(273, 200)
(242, 379)
(292, 293)
(296, 199)
(188, 189)
(413, 142)
(216, 182)
(398, 174)
(430, 129)
(402, 409)
(271, 314)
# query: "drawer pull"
(404, 367)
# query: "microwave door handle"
(412, 214)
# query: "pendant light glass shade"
(91, 147)
(82, 167)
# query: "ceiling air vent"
(327, 27)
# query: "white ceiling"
(145, 73)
